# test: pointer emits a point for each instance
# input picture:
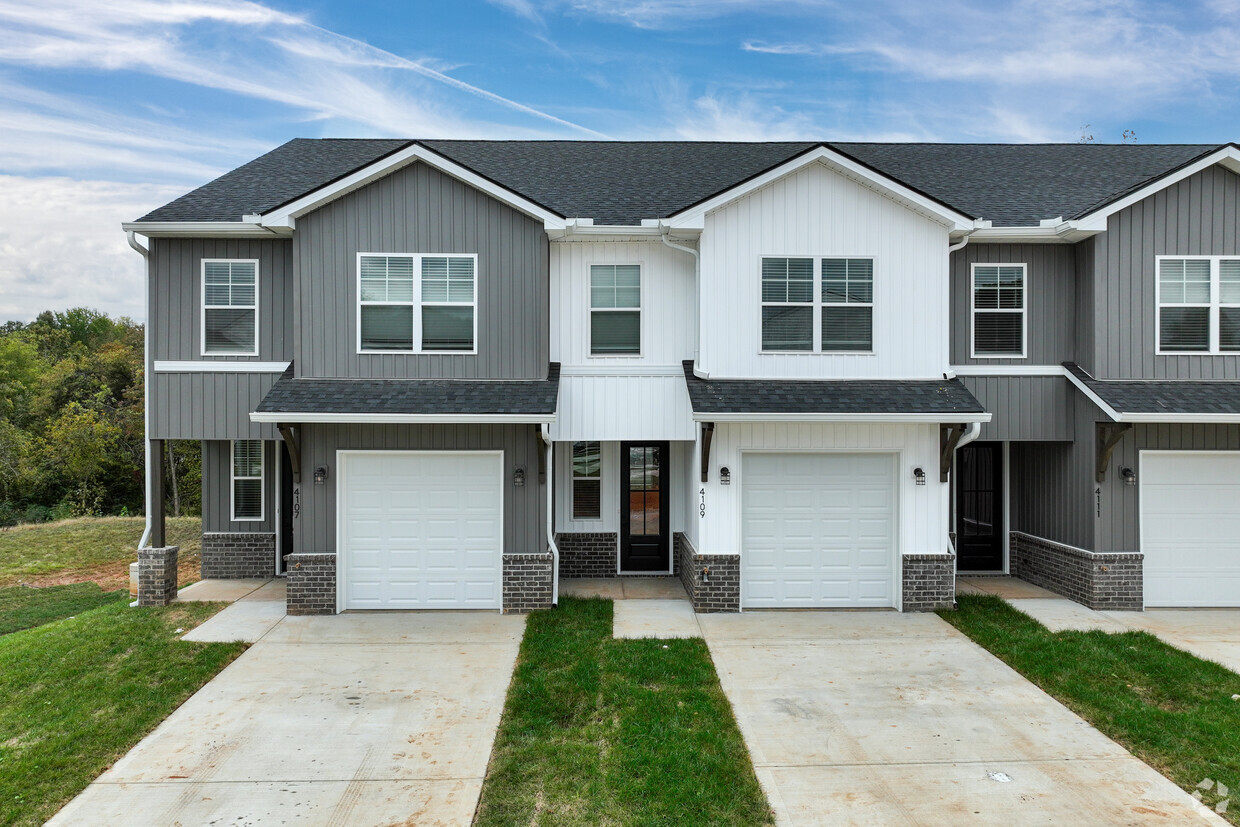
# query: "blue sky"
(109, 109)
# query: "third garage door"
(818, 530)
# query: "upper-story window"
(999, 311)
(229, 307)
(412, 303)
(839, 317)
(1198, 304)
(615, 310)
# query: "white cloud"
(781, 48)
(729, 117)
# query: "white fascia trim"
(840, 417)
(1186, 419)
(221, 367)
(285, 217)
(200, 229)
(651, 229)
(1096, 221)
(1093, 397)
(1009, 370)
(622, 370)
(694, 217)
(403, 419)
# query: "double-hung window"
(587, 480)
(1198, 304)
(998, 297)
(247, 479)
(229, 307)
(824, 305)
(615, 310)
(417, 303)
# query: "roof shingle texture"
(777, 396)
(413, 396)
(622, 182)
(1167, 396)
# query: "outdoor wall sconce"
(1129, 475)
(320, 475)
(518, 478)
(919, 475)
(725, 476)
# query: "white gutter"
(700, 416)
(402, 419)
(664, 230)
(146, 380)
(555, 550)
(975, 430)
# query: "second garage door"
(818, 530)
(421, 529)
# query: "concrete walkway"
(642, 607)
(357, 719)
(891, 719)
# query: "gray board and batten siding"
(1197, 216)
(217, 489)
(525, 507)
(418, 209)
(1027, 408)
(209, 405)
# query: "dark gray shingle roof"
(1166, 396)
(781, 396)
(622, 182)
(413, 396)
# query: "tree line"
(71, 422)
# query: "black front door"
(644, 539)
(979, 507)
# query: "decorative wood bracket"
(949, 438)
(708, 434)
(292, 441)
(1106, 436)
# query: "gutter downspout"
(697, 296)
(975, 430)
(555, 550)
(961, 244)
(146, 379)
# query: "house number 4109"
(702, 504)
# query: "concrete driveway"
(886, 718)
(358, 719)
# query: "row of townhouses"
(449, 374)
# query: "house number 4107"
(702, 504)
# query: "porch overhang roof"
(1160, 400)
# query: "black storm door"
(979, 507)
(645, 542)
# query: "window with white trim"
(998, 311)
(838, 317)
(411, 303)
(787, 304)
(847, 304)
(229, 307)
(587, 480)
(1198, 304)
(615, 309)
(247, 479)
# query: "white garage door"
(818, 530)
(1190, 528)
(421, 530)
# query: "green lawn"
(1172, 710)
(78, 693)
(599, 731)
(25, 608)
(98, 548)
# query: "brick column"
(929, 582)
(713, 581)
(157, 575)
(527, 582)
(311, 586)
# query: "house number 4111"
(702, 504)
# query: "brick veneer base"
(929, 582)
(311, 585)
(713, 581)
(587, 554)
(157, 575)
(1106, 580)
(527, 582)
(238, 556)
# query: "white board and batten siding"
(420, 529)
(818, 213)
(1190, 527)
(631, 407)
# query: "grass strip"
(599, 731)
(1171, 709)
(26, 608)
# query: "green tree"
(76, 448)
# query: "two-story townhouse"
(513, 362)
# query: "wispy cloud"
(781, 48)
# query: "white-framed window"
(1198, 304)
(615, 309)
(823, 305)
(247, 480)
(417, 303)
(998, 300)
(229, 307)
(587, 480)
